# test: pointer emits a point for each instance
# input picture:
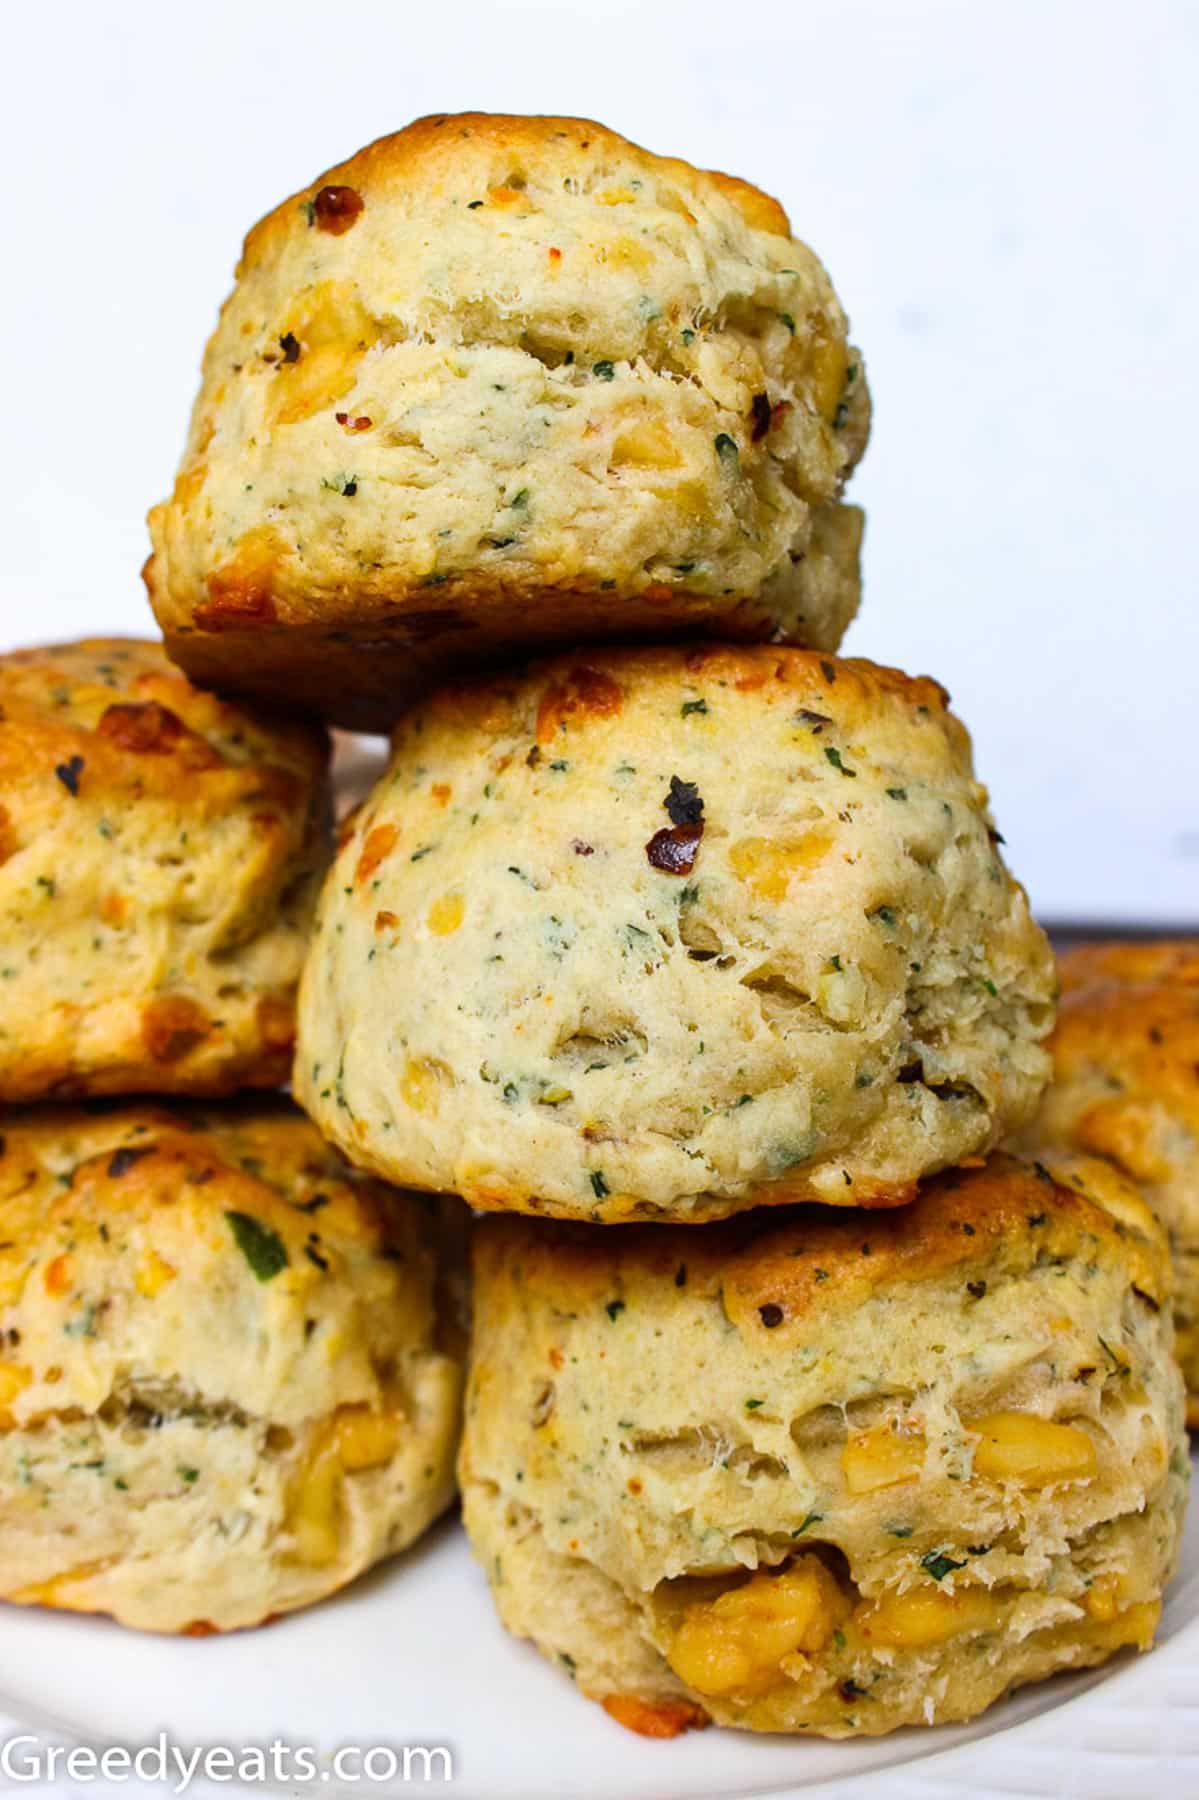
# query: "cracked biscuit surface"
(230, 1368)
(160, 854)
(499, 382)
(1126, 1086)
(670, 934)
(830, 1473)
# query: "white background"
(1004, 193)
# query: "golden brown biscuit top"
(87, 1174)
(571, 695)
(775, 1273)
(228, 1251)
(1102, 968)
(1129, 1025)
(128, 712)
(507, 160)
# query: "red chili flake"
(582, 849)
(352, 422)
(778, 413)
(674, 848)
(555, 254)
(335, 209)
(759, 409)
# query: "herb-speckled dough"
(1126, 1086)
(509, 381)
(840, 989)
(230, 1369)
(160, 854)
(826, 1473)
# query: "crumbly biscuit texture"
(1125, 1086)
(160, 854)
(825, 1473)
(500, 382)
(670, 934)
(230, 1369)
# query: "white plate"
(413, 1655)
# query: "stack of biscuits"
(817, 1383)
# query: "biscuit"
(1125, 1055)
(672, 933)
(503, 382)
(824, 1472)
(230, 1369)
(160, 854)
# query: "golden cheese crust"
(1126, 1057)
(160, 852)
(721, 928)
(497, 383)
(229, 1367)
(830, 1472)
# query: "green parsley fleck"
(938, 1565)
(341, 483)
(262, 1247)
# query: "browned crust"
(444, 146)
(370, 655)
(1002, 1216)
(655, 1718)
(157, 734)
(1130, 1011)
(626, 1209)
(1103, 966)
(107, 724)
(582, 686)
(132, 1160)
